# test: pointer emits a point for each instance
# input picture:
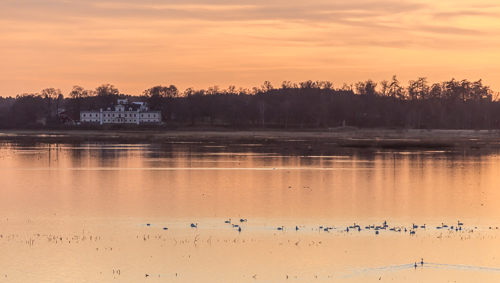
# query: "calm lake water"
(97, 213)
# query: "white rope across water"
(425, 265)
(460, 267)
(380, 269)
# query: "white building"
(122, 113)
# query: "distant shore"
(337, 137)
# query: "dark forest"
(453, 104)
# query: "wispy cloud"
(161, 37)
(465, 13)
(448, 30)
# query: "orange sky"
(135, 45)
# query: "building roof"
(69, 114)
(112, 107)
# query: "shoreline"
(338, 137)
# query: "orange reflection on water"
(80, 213)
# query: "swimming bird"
(236, 225)
(165, 228)
(459, 223)
(415, 226)
(243, 220)
(281, 228)
(423, 226)
(412, 233)
(296, 228)
(239, 229)
(415, 264)
(347, 230)
(376, 232)
(444, 226)
(148, 224)
(422, 262)
(194, 225)
(228, 221)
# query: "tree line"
(453, 104)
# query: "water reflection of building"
(122, 113)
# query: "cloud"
(163, 37)
(464, 13)
(315, 11)
(448, 30)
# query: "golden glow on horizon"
(194, 44)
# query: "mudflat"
(336, 137)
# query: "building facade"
(122, 113)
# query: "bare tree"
(287, 85)
(360, 88)
(107, 93)
(325, 84)
(231, 89)
(51, 94)
(370, 88)
(384, 87)
(396, 90)
(267, 86)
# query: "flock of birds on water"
(239, 225)
(355, 227)
(411, 230)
